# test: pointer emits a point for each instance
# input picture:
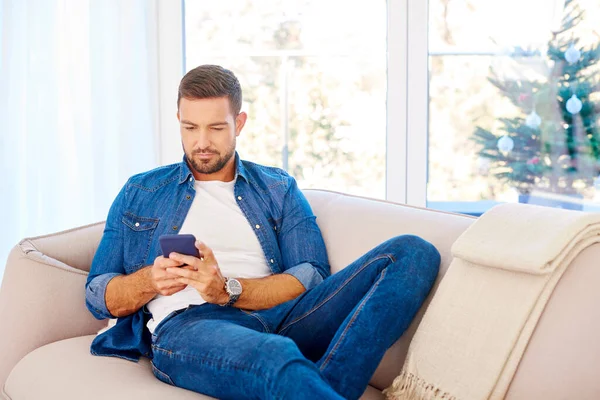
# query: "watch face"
(234, 286)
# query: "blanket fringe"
(407, 386)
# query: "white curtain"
(78, 110)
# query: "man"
(257, 315)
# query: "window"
(435, 116)
(314, 80)
(512, 103)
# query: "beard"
(213, 165)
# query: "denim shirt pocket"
(139, 232)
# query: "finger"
(168, 283)
(185, 259)
(169, 271)
(199, 286)
(185, 273)
(204, 272)
(185, 281)
(173, 290)
(161, 275)
(162, 262)
(188, 282)
(205, 251)
(171, 287)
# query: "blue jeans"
(325, 344)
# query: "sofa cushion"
(66, 370)
(42, 300)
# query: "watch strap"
(232, 299)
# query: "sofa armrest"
(42, 299)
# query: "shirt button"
(175, 228)
(239, 197)
(272, 261)
(191, 179)
(257, 226)
(275, 227)
(188, 197)
(137, 224)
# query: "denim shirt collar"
(185, 172)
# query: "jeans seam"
(315, 308)
(223, 363)
(262, 322)
(161, 373)
(351, 322)
(161, 350)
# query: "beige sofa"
(46, 330)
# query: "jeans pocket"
(161, 375)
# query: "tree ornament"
(574, 105)
(572, 55)
(533, 120)
(564, 161)
(533, 161)
(506, 144)
(547, 160)
(523, 97)
(597, 183)
(483, 165)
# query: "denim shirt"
(156, 202)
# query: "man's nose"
(203, 141)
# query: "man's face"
(208, 132)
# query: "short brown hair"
(211, 81)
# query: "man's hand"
(203, 274)
(125, 294)
(163, 282)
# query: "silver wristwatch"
(233, 287)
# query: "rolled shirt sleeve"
(95, 296)
(107, 262)
(306, 274)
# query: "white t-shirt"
(216, 219)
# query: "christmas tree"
(553, 144)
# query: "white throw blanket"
(479, 322)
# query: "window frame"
(406, 99)
(171, 68)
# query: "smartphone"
(182, 244)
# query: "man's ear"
(178, 119)
(240, 121)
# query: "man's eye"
(217, 129)
(190, 128)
